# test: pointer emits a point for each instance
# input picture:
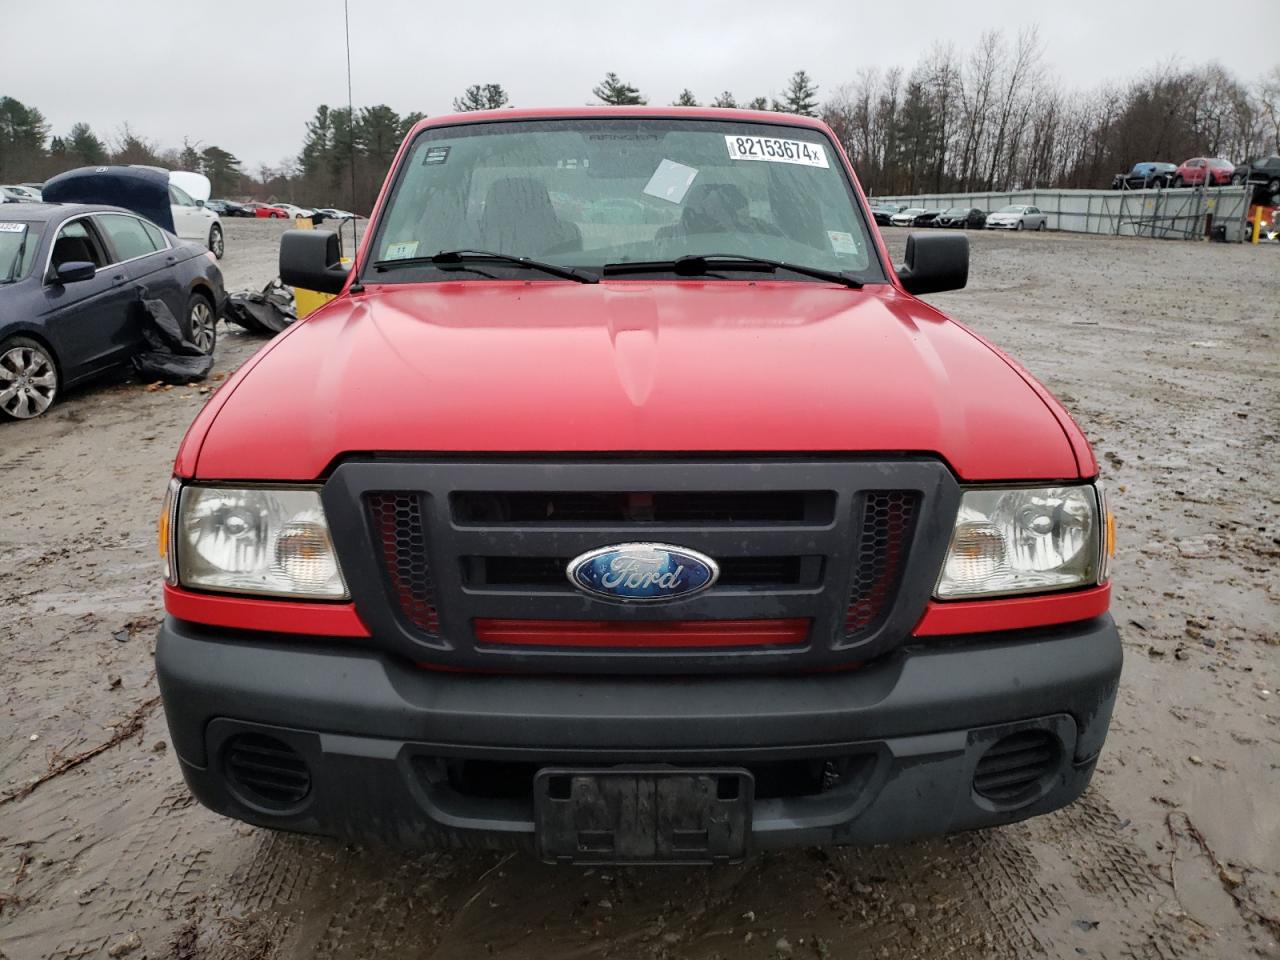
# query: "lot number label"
(776, 150)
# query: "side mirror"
(73, 271)
(312, 260)
(935, 262)
(199, 203)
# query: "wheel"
(1019, 226)
(201, 326)
(1042, 226)
(1237, 179)
(298, 216)
(1177, 181)
(277, 216)
(28, 378)
(216, 244)
(1273, 186)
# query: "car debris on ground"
(268, 311)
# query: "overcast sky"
(247, 74)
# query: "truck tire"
(28, 379)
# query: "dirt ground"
(1168, 354)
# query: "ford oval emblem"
(642, 572)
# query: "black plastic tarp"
(267, 312)
(144, 190)
(169, 356)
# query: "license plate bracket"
(643, 815)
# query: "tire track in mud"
(1005, 893)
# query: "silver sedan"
(1017, 217)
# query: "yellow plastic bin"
(308, 301)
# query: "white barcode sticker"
(776, 150)
(12, 227)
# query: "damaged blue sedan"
(73, 278)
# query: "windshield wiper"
(447, 259)
(700, 264)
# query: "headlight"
(1023, 541)
(255, 540)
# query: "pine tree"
(344, 145)
(759, 103)
(409, 121)
(481, 96)
(314, 158)
(84, 146)
(801, 96)
(222, 168)
(686, 99)
(22, 134)
(725, 100)
(378, 134)
(617, 93)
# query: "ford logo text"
(642, 572)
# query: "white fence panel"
(1181, 214)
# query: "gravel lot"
(1169, 356)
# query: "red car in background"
(1192, 173)
(265, 210)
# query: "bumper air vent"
(1013, 768)
(265, 771)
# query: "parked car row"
(276, 211)
(1200, 171)
(1012, 217)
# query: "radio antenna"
(351, 109)
(351, 140)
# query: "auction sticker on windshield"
(776, 150)
(400, 251)
(12, 227)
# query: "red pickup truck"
(626, 505)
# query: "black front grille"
(787, 506)
(888, 519)
(439, 545)
(266, 771)
(508, 572)
(1013, 767)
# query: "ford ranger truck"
(626, 505)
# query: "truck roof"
(636, 112)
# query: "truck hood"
(662, 367)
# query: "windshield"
(954, 212)
(1014, 209)
(587, 192)
(18, 243)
